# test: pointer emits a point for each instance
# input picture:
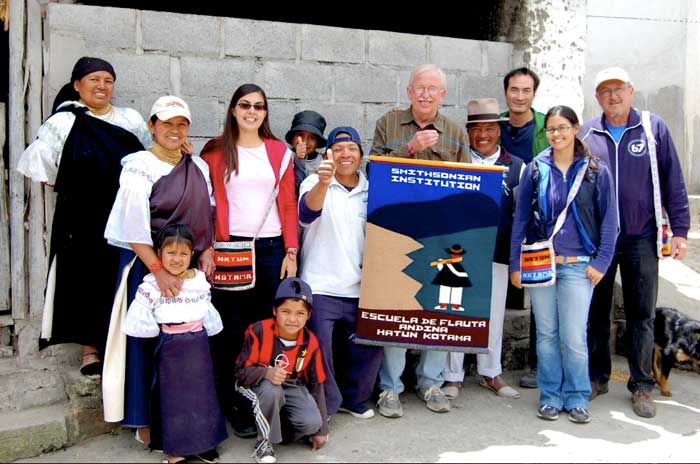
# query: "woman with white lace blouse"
(78, 151)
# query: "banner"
(426, 275)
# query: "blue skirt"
(189, 420)
(139, 354)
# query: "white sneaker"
(367, 414)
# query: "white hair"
(424, 68)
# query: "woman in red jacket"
(246, 163)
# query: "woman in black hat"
(78, 151)
(451, 278)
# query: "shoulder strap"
(651, 144)
(286, 158)
(572, 194)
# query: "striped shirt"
(396, 128)
(263, 347)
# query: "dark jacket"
(631, 171)
(537, 211)
(511, 180)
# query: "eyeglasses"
(432, 90)
(560, 129)
(488, 130)
(617, 91)
(245, 106)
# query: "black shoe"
(92, 370)
(529, 380)
(598, 388)
(244, 431)
(242, 427)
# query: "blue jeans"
(561, 313)
(428, 371)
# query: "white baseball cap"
(169, 107)
(612, 74)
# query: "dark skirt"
(190, 419)
(83, 300)
(139, 354)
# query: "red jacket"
(286, 198)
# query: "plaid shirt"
(396, 128)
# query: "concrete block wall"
(350, 76)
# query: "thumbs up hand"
(300, 147)
(326, 170)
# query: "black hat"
(82, 68)
(87, 65)
(456, 249)
(309, 121)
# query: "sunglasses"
(244, 105)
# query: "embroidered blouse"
(41, 159)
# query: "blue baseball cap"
(347, 134)
(294, 287)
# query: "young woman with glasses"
(583, 249)
(245, 164)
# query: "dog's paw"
(666, 393)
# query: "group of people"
(155, 218)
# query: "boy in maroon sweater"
(280, 370)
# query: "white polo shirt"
(333, 244)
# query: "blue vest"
(584, 207)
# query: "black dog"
(676, 339)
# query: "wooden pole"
(16, 146)
(37, 242)
(4, 224)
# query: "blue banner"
(431, 232)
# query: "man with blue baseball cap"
(333, 212)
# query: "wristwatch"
(292, 252)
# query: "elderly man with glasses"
(648, 177)
(419, 132)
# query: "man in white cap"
(648, 177)
(484, 131)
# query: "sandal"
(93, 369)
(499, 387)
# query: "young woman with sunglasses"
(245, 164)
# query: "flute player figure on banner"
(451, 278)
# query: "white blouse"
(130, 218)
(41, 159)
(150, 308)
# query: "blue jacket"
(631, 171)
(569, 240)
